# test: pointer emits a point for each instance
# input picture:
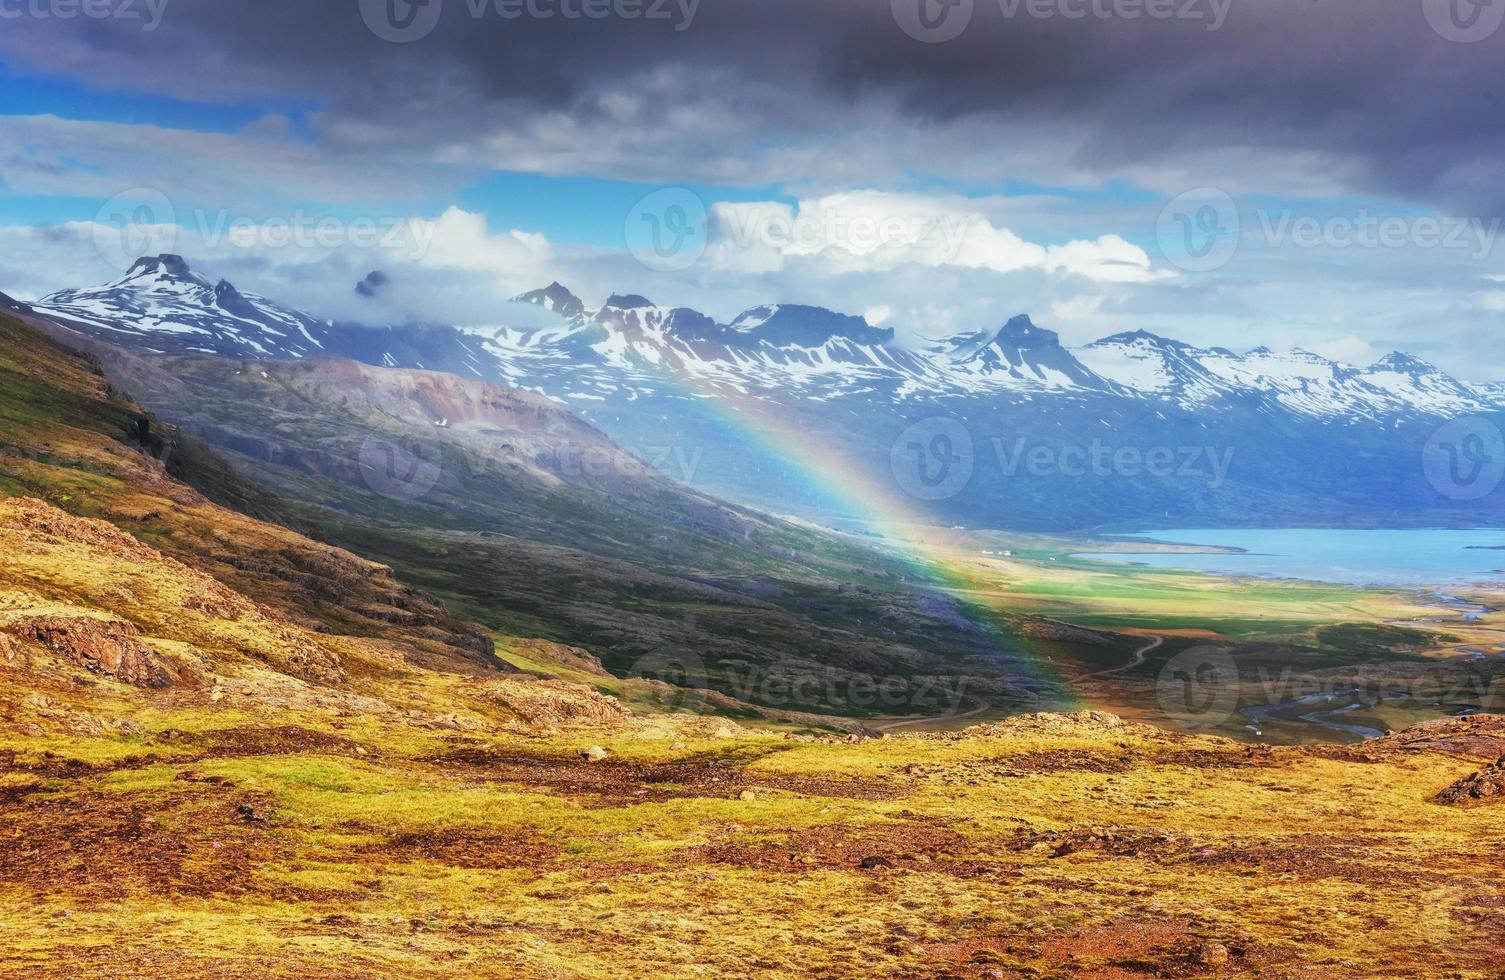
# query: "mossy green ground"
(405, 851)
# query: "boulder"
(1486, 784)
(111, 647)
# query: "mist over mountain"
(1130, 429)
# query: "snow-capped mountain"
(818, 354)
(556, 299)
(1022, 352)
(1281, 437)
(164, 306)
(632, 345)
(1298, 381)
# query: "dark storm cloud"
(1345, 94)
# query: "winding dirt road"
(1137, 661)
(889, 726)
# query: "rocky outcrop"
(102, 568)
(548, 704)
(547, 652)
(1486, 784)
(111, 647)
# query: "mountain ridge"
(653, 377)
(164, 306)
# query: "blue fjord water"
(1354, 557)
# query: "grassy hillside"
(228, 750)
(531, 522)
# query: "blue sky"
(1059, 178)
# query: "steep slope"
(528, 520)
(72, 439)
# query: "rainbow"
(845, 486)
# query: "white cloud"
(446, 269)
(869, 230)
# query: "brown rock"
(1486, 784)
(252, 812)
(106, 646)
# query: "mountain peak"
(375, 281)
(1020, 333)
(688, 324)
(554, 297)
(1132, 337)
(806, 326)
(166, 264)
(1033, 354)
(629, 301)
(1402, 363)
